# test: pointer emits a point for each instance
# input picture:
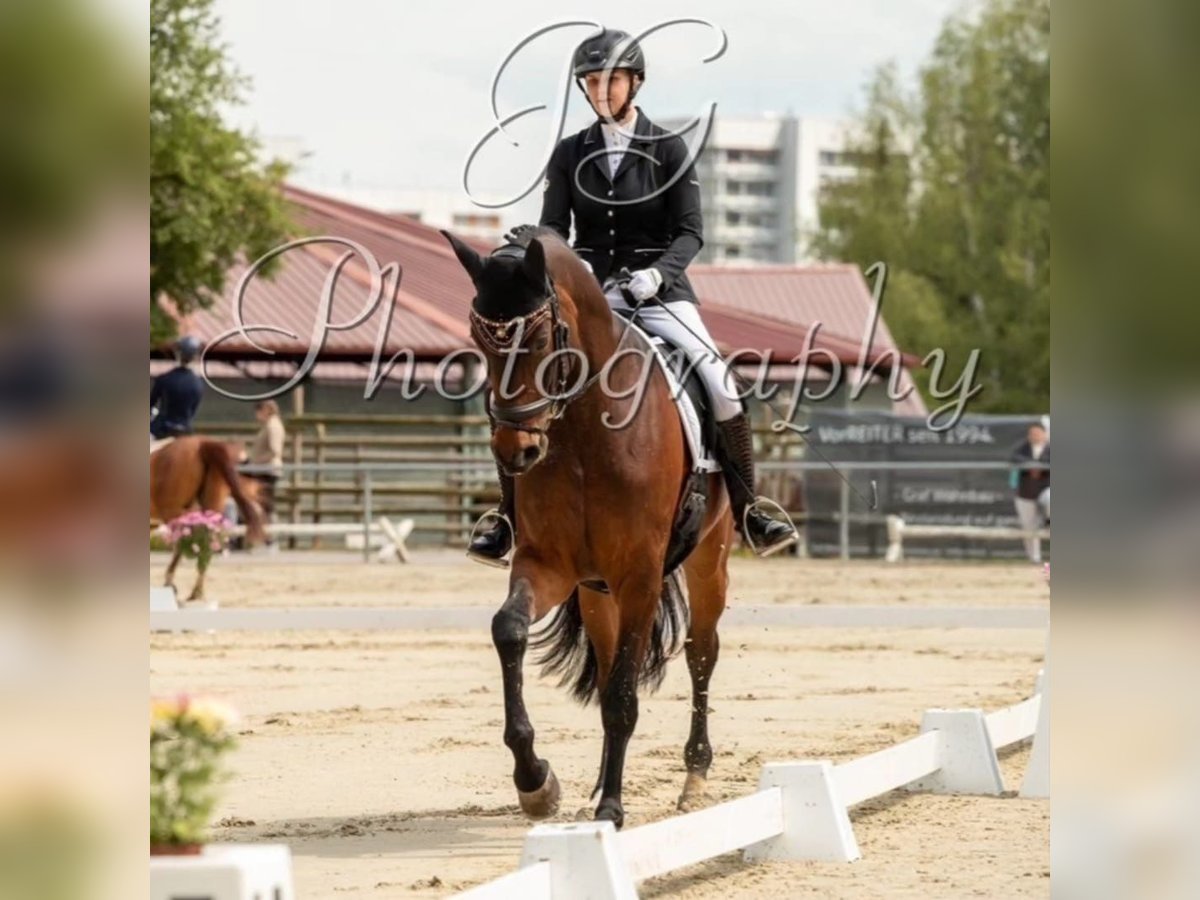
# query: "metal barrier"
(372, 481)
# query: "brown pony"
(593, 504)
(196, 471)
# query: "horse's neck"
(597, 328)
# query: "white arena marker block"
(1037, 774)
(815, 823)
(163, 599)
(965, 751)
(585, 861)
(224, 872)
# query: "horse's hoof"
(610, 811)
(695, 792)
(542, 803)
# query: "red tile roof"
(764, 308)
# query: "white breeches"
(680, 323)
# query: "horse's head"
(521, 320)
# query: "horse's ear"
(471, 261)
(534, 264)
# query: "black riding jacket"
(177, 395)
(614, 226)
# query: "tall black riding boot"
(493, 539)
(735, 451)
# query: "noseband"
(500, 337)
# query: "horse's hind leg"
(707, 580)
(198, 588)
(532, 592)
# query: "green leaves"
(954, 195)
(211, 199)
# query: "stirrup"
(502, 562)
(782, 545)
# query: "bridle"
(499, 337)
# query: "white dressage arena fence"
(390, 539)
(800, 811)
(898, 530)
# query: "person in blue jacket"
(175, 396)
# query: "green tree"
(211, 199)
(953, 193)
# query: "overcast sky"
(396, 94)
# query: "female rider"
(624, 218)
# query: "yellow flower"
(211, 715)
(162, 711)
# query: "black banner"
(980, 497)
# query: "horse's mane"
(522, 235)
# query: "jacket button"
(610, 212)
(611, 231)
(611, 252)
(610, 193)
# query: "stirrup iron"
(504, 561)
(757, 503)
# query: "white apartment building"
(439, 207)
(760, 177)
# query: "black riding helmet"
(611, 49)
(187, 348)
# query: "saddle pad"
(702, 460)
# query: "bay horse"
(194, 471)
(593, 504)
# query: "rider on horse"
(175, 395)
(594, 177)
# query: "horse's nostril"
(530, 455)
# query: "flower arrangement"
(201, 534)
(188, 739)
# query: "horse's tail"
(566, 650)
(217, 457)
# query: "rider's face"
(608, 91)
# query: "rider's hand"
(645, 283)
(520, 234)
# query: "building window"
(733, 251)
(760, 188)
(841, 158)
(733, 187)
(733, 218)
(761, 220)
(733, 155)
(476, 220)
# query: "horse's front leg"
(169, 576)
(637, 602)
(532, 591)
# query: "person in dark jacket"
(631, 190)
(175, 395)
(1031, 483)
